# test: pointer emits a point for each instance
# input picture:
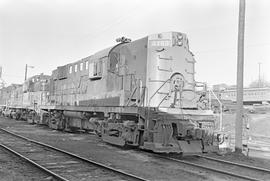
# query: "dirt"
(130, 160)
(241, 158)
(256, 133)
(13, 168)
(259, 124)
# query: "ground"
(130, 160)
(255, 132)
(13, 168)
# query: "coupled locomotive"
(140, 93)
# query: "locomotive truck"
(139, 93)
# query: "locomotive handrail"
(220, 108)
(148, 109)
(162, 100)
(130, 97)
(157, 91)
(142, 98)
(140, 92)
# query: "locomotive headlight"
(179, 37)
(180, 43)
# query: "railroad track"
(60, 164)
(232, 169)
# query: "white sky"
(50, 33)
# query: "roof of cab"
(98, 55)
(105, 52)
(102, 53)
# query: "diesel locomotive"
(139, 93)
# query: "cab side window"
(95, 70)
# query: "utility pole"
(259, 81)
(25, 72)
(0, 72)
(2, 82)
(240, 75)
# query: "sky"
(50, 33)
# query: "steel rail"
(78, 157)
(234, 163)
(211, 169)
(34, 163)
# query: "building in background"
(260, 95)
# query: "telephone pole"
(25, 72)
(2, 82)
(259, 81)
(240, 75)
